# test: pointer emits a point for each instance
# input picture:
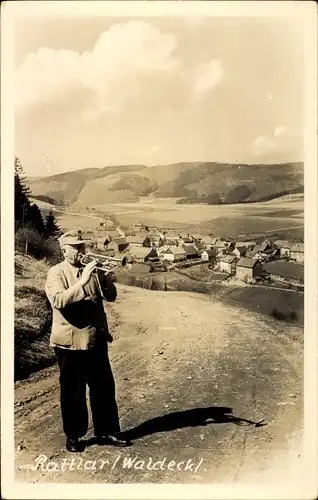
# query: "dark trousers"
(91, 367)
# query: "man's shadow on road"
(187, 418)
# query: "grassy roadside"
(32, 317)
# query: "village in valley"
(275, 262)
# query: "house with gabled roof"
(185, 239)
(197, 236)
(199, 247)
(297, 252)
(267, 245)
(219, 244)
(280, 243)
(142, 254)
(158, 232)
(248, 269)
(239, 251)
(191, 251)
(227, 246)
(270, 254)
(118, 244)
(249, 245)
(156, 240)
(108, 235)
(99, 244)
(263, 252)
(140, 239)
(102, 242)
(162, 249)
(174, 254)
(120, 231)
(254, 253)
(208, 242)
(207, 255)
(285, 249)
(220, 253)
(171, 237)
(227, 264)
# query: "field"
(281, 218)
(278, 218)
(68, 221)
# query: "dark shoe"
(73, 445)
(112, 440)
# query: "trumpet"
(105, 263)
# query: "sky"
(112, 91)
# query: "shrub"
(154, 285)
(201, 288)
(32, 322)
(238, 194)
(47, 199)
(213, 199)
(278, 314)
(29, 241)
(132, 280)
(291, 317)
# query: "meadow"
(281, 218)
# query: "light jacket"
(79, 320)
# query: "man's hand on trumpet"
(87, 272)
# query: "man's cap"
(72, 238)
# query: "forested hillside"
(207, 182)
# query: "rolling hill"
(207, 181)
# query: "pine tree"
(34, 219)
(21, 195)
(23, 179)
(51, 227)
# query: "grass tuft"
(32, 318)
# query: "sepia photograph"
(159, 170)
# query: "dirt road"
(193, 376)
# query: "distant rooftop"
(244, 262)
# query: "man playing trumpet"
(79, 337)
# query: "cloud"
(47, 76)
(208, 75)
(109, 76)
(284, 144)
(263, 145)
